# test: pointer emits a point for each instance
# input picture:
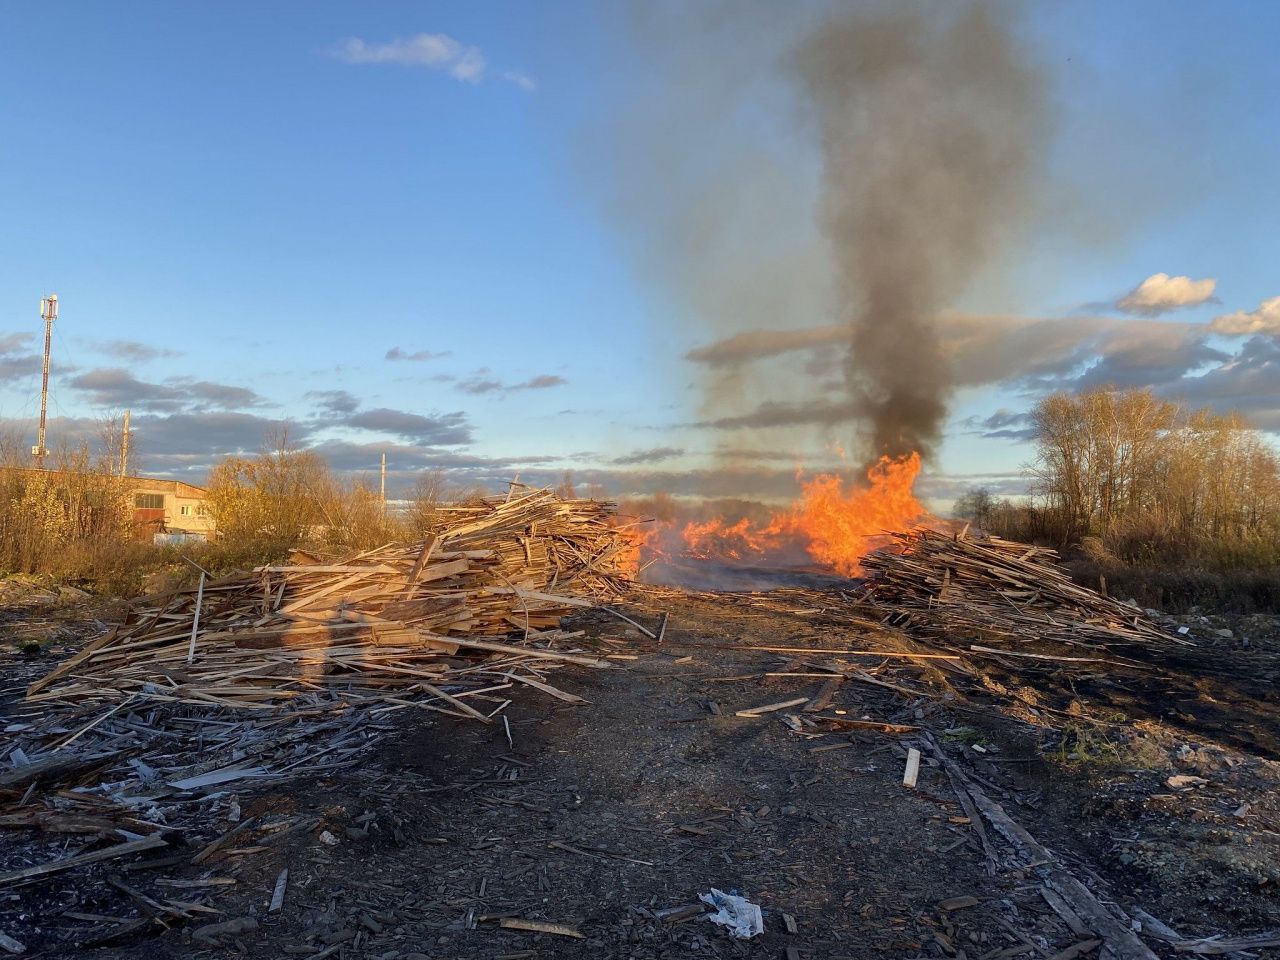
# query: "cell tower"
(49, 313)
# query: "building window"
(148, 501)
(202, 511)
(185, 510)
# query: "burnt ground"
(602, 817)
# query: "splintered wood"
(428, 619)
(960, 593)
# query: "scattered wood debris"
(136, 742)
(384, 623)
(28, 874)
(1070, 898)
(151, 738)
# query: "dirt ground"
(608, 818)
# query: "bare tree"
(1153, 480)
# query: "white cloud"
(436, 51)
(1160, 293)
(1265, 319)
(521, 80)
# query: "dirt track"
(602, 816)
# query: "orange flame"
(841, 528)
(715, 538)
(836, 527)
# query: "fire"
(843, 527)
(834, 525)
(715, 538)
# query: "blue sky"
(243, 214)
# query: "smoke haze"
(854, 167)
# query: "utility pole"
(124, 447)
(49, 313)
(382, 487)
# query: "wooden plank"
(958, 784)
(53, 768)
(448, 698)
(541, 926)
(912, 771)
(26, 874)
(891, 654)
(277, 895)
(826, 693)
(310, 598)
(770, 708)
(215, 777)
(546, 688)
(195, 619)
(328, 568)
(10, 945)
(469, 643)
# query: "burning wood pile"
(382, 625)
(957, 592)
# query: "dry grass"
(1177, 588)
(74, 523)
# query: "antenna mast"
(49, 313)
(124, 447)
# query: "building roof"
(177, 487)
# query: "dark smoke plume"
(789, 168)
(930, 128)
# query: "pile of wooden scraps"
(568, 545)
(85, 793)
(282, 672)
(470, 610)
(958, 592)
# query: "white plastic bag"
(741, 916)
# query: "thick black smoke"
(930, 128)
(785, 167)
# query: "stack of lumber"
(958, 592)
(383, 624)
(553, 543)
